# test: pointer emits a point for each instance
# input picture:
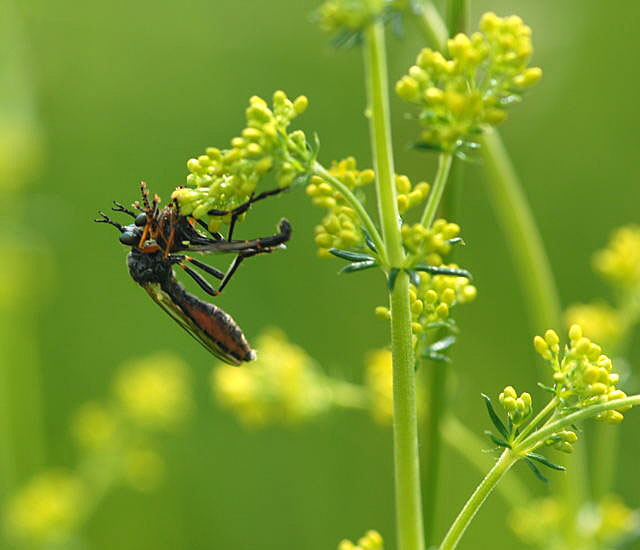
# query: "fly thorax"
(148, 268)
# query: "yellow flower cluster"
(619, 262)
(348, 15)
(48, 507)
(372, 540)
(583, 376)
(222, 179)
(155, 391)
(518, 408)
(432, 300)
(283, 386)
(341, 227)
(484, 73)
(543, 523)
(429, 244)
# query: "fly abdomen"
(214, 324)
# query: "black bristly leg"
(106, 219)
(206, 267)
(202, 283)
(241, 209)
(260, 244)
(122, 208)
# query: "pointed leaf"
(358, 266)
(443, 344)
(499, 442)
(368, 240)
(351, 256)
(457, 240)
(393, 275)
(546, 388)
(449, 324)
(435, 356)
(494, 417)
(535, 470)
(544, 460)
(413, 277)
(438, 270)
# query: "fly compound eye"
(141, 220)
(129, 238)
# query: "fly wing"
(209, 325)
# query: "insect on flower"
(159, 237)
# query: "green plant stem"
(469, 445)
(322, 172)
(431, 25)
(431, 441)
(538, 418)
(538, 438)
(435, 195)
(510, 456)
(456, 11)
(521, 232)
(405, 422)
(471, 507)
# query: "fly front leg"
(241, 209)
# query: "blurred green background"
(127, 91)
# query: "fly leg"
(241, 209)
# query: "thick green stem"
(435, 195)
(470, 446)
(471, 507)
(431, 25)
(431, 441)
(380, 134)
(456, 16)
(405, 423)
(521, 232)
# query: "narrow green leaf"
(435, 356)
(393, 275)
(443, 344)
(544, 460)
(351, 256)
(457, 240)
(546, 388)
(368, 240)
(449, 324)
(358, 266)
(413, 277)
(494, 417)
(497, 440)
(438, 270)
(535, 471)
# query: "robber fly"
(160, 237)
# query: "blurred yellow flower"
(48, 507)
(599, 321)
(543, 523)
(619, 262)
(155, 391)
(379, 381)
(143, 469)
(93, 426)
(283, 385)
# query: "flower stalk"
(405, 423)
